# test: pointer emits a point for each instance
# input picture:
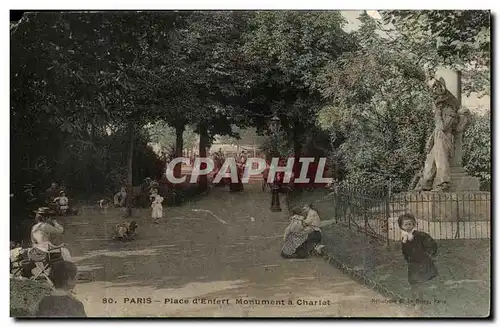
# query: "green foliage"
(477, 149)
(451, 38)
(77, 80)
(165, 136)
(284, 51)
(379, 106)
(25, 296)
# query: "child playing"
(61, 303)
(125, 231)
(418, 248)
(156, 207)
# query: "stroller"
(34, 263)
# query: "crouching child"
(125, 231)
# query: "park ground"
(230, 251)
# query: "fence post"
(387, 212)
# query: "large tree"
(284, 51)
(458, 39)
(379, 106)
(88, 73)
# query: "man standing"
(145, 192)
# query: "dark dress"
(145, 189)
(236, 187)
(417, 253)
(60, 306)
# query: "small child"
(156, 208)
(418, 248)
(62, 200)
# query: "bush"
(25, 295)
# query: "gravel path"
(210, 258)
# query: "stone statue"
(440, 146)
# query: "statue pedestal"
(460, 181)
(444, 215)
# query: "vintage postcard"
(250, 163)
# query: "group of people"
(47, 248)
(219, 158)
(57, 200)
(303, 235)
(54, 197)
(149, 196)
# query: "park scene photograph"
(250, 163)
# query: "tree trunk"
(297, 149)
(204, 140)
(130, 157)
(179, 144)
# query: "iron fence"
(375, 212)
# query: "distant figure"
(103, 203)
(52, 192)
(157, 208)
(238, 186)
(62, 202)
(120, 198)
(418, 248)
(29, 197)
(61, 302)
(145, 192)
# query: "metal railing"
(375, 212)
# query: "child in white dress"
(156, 208)
(62, 201)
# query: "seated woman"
(44, 232)
(303, 235)
(120, 198)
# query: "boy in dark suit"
(418, 248)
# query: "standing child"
(157, 208)
(419, 248)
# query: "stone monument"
(443, 169)
(446, 202)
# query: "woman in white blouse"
(43, 232)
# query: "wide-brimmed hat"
(147, 179)
(28, 186)
(61, 192)
(44, 211)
